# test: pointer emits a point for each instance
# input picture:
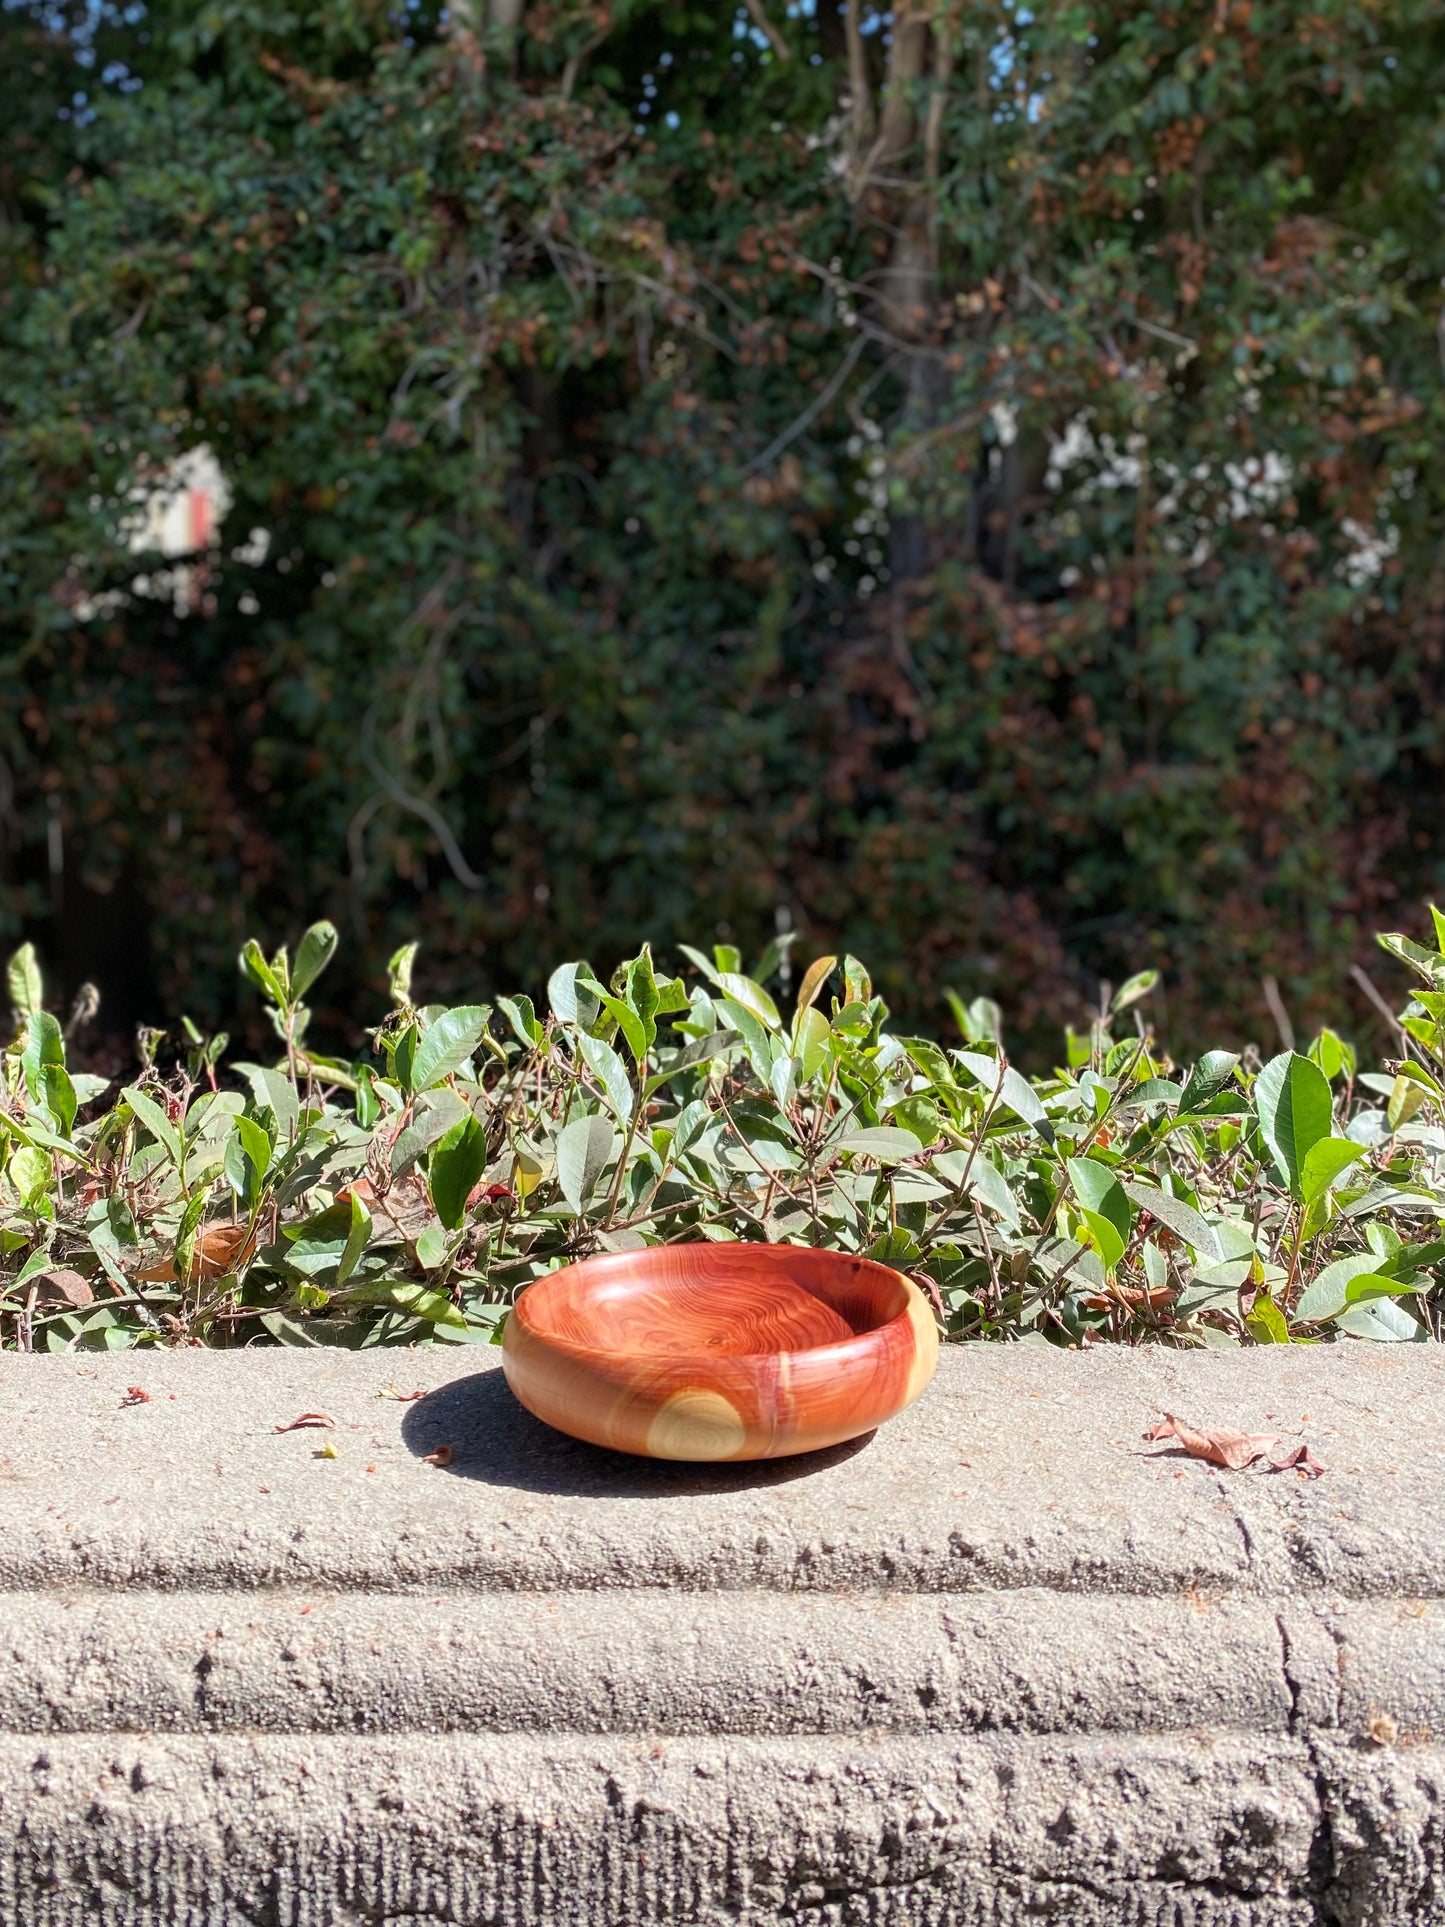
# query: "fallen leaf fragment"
(225, 1247)
(1300, 1459)
(402, 1398)
(328, 1451)
(136, 1395)
(1218, 1444)
(307, 1419)
(65, 1286)
(1222, 1446)
(1132, 1298)
(442, 1456)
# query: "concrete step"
(1002, 1662)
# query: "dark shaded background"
(654, 414)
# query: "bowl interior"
(718, 1300)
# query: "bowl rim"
(838, 1350)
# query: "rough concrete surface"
(1002, 1662)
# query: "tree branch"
(861, 92)
(765, 26)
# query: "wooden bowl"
(720, 1351)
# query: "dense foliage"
(963, 480)
(410, 1194)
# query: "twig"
(1367, 984)
(765, 27)
(469, 878)
(815, 407)
(957, 1194)
(1278, 1012)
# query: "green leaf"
(1020, 1097)
(1374, 1285)
(1428, 963)
(1295, 1110)
(1327, 1295)
(1213, 1072)
(357, 1237)
(286, 1331)
(44, 1046)
(30, 1171)
(313, 953)
(520, 1015)
(898, 1248)
(439, 1113)
(742, 990)
(432, 1248)
(446, 1046)
(1407, 1097)
(761, 1047)
(22, 981)
(1332, 1054)
(812, 1036)
(153, 1117)
(886, 1145)
(1150, 1090)
(406, 1295)
(318, 1245)
(1324, 1162)
(1105, 1206)
(1266, 1323)
(814, 978)
(583, 1149)
(1181, 1218)
(980, 1022)
(1382, 1321)
(185, 1249)
(610, 1071)
(253, 963)
(246, 1161)
(454, 1167)
(985, 1182)
(627, 1021)
(59, 1095)
(571, 997)
(920, 1115)
(697, 1052)
(1133, 990)
(398, 974)
(273, 1091)
(643, 998)
(367, 1103)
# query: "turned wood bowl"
(720, 1351)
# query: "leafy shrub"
(409, 1195)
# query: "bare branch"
(861, 107)
(814, 408)
(906, 59)
(765, 26)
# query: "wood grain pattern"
(735, 1351)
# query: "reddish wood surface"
(734, 1351)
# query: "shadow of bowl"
(496, 1440)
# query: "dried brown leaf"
(225, 1247)
(67, 1286)
(1221, 1445)
(1298, 1458)
(1217, 1444)
(308, 1419)
(442, 1456)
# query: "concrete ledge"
(1003, 1662)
